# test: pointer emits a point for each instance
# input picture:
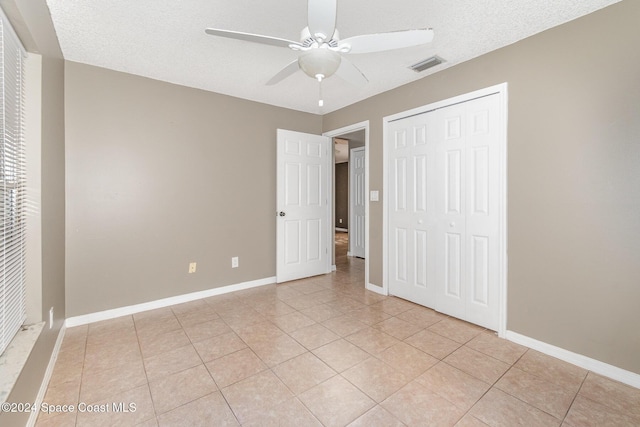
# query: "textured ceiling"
(165, 40)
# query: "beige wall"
(32, 22)
(159, 175)
(573, 181)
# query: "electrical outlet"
(192, 267)
(51, 318)
(340, 220)
(234, 262)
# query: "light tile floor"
(320, 351)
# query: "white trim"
(504, 261)
(349, 253)
(165, 302)
(501, 90)
(47, 376)
(330, 211)
(347, 129)
(33, 153)
(333, 267)
(610, 371)
(377, 289)
(344, 230)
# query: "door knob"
(419, 221)
(282, 214)
(452, 224)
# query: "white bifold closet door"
(444, 249)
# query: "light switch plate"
(374, 195)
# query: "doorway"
(344, 139)
(349, 201)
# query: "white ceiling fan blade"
(255, 38)
(322, 18)
(351, 74)
(288, 70)
(387, 41)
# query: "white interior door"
(302, 201)
(482, 211)
(450, 174)
(357, 202)
(443, 209)
(411, 211)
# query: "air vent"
(426, 64)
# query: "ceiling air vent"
(426, 64)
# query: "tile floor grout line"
(309, 409)
(144, 367)
(487, 355)
(296, 396)
(182, 370)
(523, 401)
(86, 340)
(542, 379)
(229, 405)
(575, 397)
(491, 386)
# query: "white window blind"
(12, 185)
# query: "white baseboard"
(344, 230)
(613, 372)
(165, 302)
(333, 268)
(47, 377)
(375, 288)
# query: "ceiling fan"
(321, 49)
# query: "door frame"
(501, 90)
(364, 125)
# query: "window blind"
(12, 185)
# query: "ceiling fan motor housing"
(307, 41)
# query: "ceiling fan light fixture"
(319, 62)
